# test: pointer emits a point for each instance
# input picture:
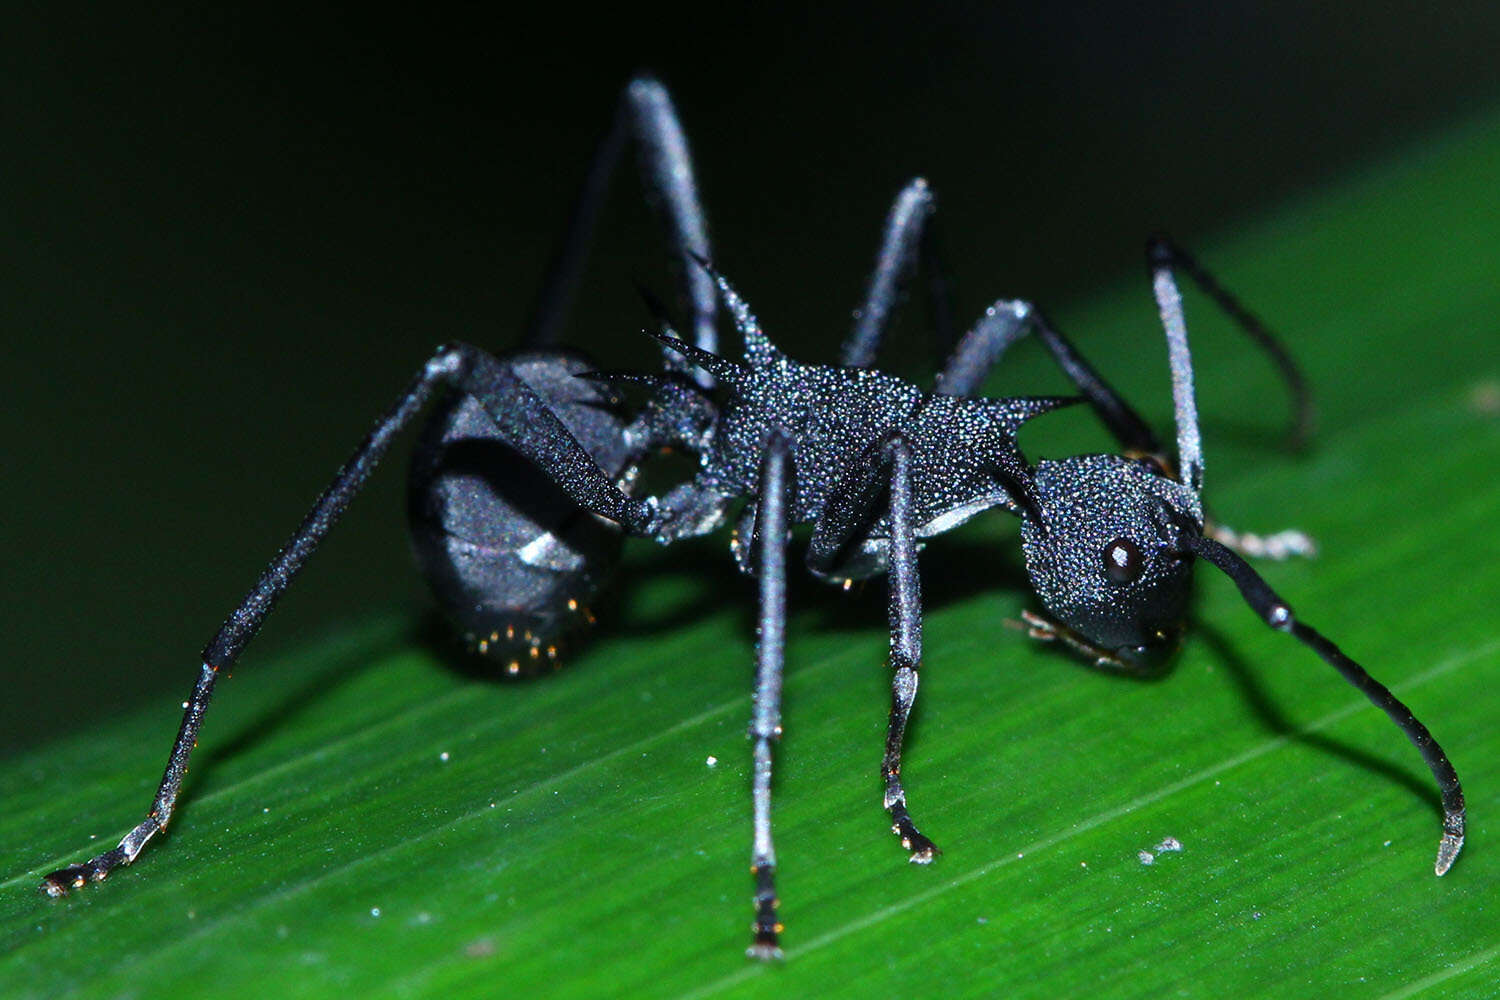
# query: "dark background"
(231, 238)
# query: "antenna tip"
(1451, 844)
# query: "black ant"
(524, 483)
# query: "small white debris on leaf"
(1145, 857)
(712, 761)
(1169, 844)
(1484, 397)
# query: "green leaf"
(362, 820)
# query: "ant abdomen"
(512, 559)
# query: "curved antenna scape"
(1184, 405)
(1162, 250)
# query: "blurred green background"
(230, 237)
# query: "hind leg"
(527, 424)
(645, 117)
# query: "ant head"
(1105, 552)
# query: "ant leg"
(770, 539)
(526, 423)
(909, 239)
(1006, 322)
(848, 515)
(1009, 320)
(893, 263)
(906, 650)
(980, 350)
(646, 115)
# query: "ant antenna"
(1276, 613)
(1162, 250)
(1169, 304)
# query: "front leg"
(906, 650)
(842, 534)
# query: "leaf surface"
(364, 821)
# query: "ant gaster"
(523, 484)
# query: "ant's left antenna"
(1184, 405)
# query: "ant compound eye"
(1122, 561)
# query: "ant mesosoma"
(523, 484)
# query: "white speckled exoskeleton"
(525, 482)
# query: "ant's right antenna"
(1162, 252)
